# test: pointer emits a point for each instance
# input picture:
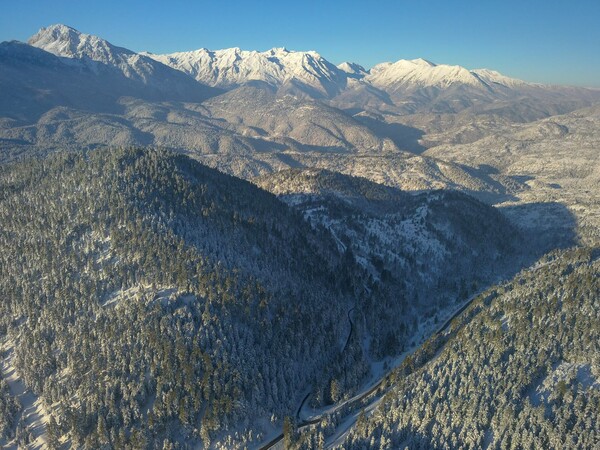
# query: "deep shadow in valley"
(547, 226)
(405, 137)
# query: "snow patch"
(564, 377)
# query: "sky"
(544, 41)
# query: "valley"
(263, 249)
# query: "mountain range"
(250, 113)
(254, 113)
(297, 72)
(252, 249)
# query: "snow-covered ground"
(583, 375)
(34, 415)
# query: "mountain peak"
(353, 70)
(277, 50)
(423, 62)
(100, 56)
(66, 41)
(57, 30)
(303, 70)
(48, 37)
(417, 73)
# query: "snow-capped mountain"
(421, 86)
(406, 85)
(352, 70)
(419, 73)
(278, 67)
(101, 56)
(232, 67)
(348, 109)
(492, 77)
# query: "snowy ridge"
(102, 58)
(278, 66)
(228, 68)
(423, 73)
(353, 70)
(492, 76)
(67, 42)
(232, 67)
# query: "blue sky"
(547, 41)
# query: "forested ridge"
(520, 369)
(151, 302)
(424, 253)
(149, 298)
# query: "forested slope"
(146, 297)
(520, 369)
(424, 254)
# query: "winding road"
(304, 423)
(361, 396)
(351, 328)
